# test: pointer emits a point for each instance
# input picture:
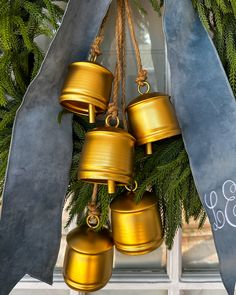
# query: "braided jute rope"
(92, 206)
(123, 65)
(120, 72)
(95, 49)
(113, 106)
(142, 73)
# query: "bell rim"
(151, 198)
(155, 95)
(72, 243)
(102, 177)
(99, 108)
(90, 287)
(83, 96)
(156, 136)
(92, 65)
(106, 130)
(134, 210)
(125, 249)
(71, 248)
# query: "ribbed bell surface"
(87, 89)
(107, 157)
(151, 118)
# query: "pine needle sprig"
(20, 58)
(219, 17)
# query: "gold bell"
(151, 118)
(107, 156)
(136, 227)
(87, 89)
(88, 259)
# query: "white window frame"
(173, 281)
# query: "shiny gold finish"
(136, 227)
(111, 186)
(151, 118)
(88, 259)
(87, 89)
(149, 148)
(91, 113)
(107, 157)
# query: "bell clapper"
(91, 113)
(111, 186)
(148, 148)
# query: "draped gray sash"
(40, 156)
(206, 110)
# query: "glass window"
(153, 260)
(198, 248)
(39, 292)
(130, 292)
(204, 292)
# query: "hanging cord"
(142, 73)
(93, 220)
(120, 77)
(95, 49)
(123, 63)
(113, 106)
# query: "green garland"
(167, 171)
(20, 58)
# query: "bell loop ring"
(145, 84)
(108, 121)
(90, 221)
(132, 187)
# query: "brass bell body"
(136, 227)
(87, 89)
(107, 157)
(151, 118)
(88, 260)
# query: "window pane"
(130, 292)
(203, 292)
(198, 248)
(153, 260)
(39, 292)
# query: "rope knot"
(95, 47)
(93, 209)
(142, 77)
(113, 109)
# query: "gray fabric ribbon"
(206, 110)
(40, 156)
